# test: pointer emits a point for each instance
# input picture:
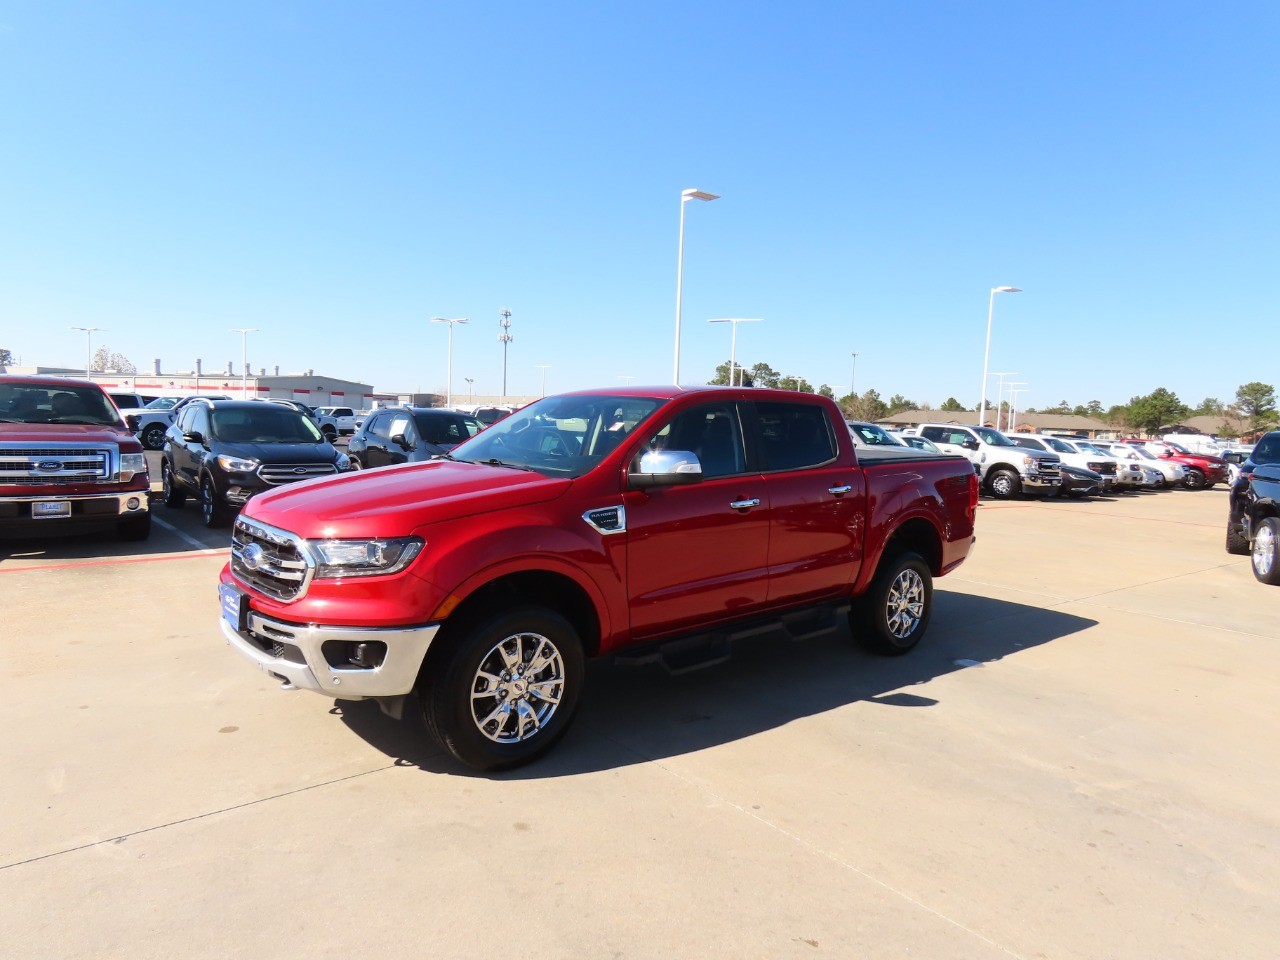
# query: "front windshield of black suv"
(559, 436)
(267, 425)
(25, 403)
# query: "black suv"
(408, 435)
(225, 451)
(1253, 517)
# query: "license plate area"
(49, 509)
(235, 606)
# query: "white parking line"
(187, 537)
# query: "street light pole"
(733, 341)
(471, 388)
(685, 197)
(543, 367)
(853, 377)
(506, 337)
(1000, 392)
(1012, 384)
(986, 356)
(244, 358)
(449, 386)
(1013, 408)
(88, 367)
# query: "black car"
(1080, 482)
(225, 451)
(1253, 516)
(408, 435)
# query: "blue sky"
(337, 174)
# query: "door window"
(794, 435)
(711, 432)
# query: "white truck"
(337, 422)
(1006, 469)
(150, 423)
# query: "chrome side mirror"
(665, 468)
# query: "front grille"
(1106, 468)
(277, 473)
(271, 561)
(61, 464)
(1047, 468)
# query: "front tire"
(505, 689)
(1265, 555)
(1004, 484)
(1237, 542)
(894, 614)
(1194, 480)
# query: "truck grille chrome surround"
(56, 463)
(272, 561)
(607, 520)
(277, 473)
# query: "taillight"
(972, 512)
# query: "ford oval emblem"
(49, 465)
(299, 470)
(252, 557)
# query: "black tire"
(476, 729)
(330, 433)
(1194, 480)
(135, 528)
(153, 437)
(1004, 484)
(173, 495)
(1265, 555)
(355, 462)
(894, 614)
(213, 509)
(1237, 542)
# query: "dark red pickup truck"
(67, 461)
(660, 521)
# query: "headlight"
(132, 464)
(364, 558)
(343, 462)
(237, 464)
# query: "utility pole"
(506, 337)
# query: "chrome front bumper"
(295, 654)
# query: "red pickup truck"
(67, 461)
(655, 522)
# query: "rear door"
(816, 502)
(698, 553)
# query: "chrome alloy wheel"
(905, 606)
(517, 688)
(1264, 550)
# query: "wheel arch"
(917, 535)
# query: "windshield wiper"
(495, 462)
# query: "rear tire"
(213, 511)
(1194, 480)
(153, 437)
(504, 688)
(894, 614)
(1265, 555)
(173, 494)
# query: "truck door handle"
(745, 504)
(839, 491)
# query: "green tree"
(105, 359)
(798, 384)
(6, 357)
(1160, 408)
(952, 405)
(898, 403)
(1063, 408)
(825, 391)
(1257, 402)
(867, 407)
(763, 375)
(1210, 407)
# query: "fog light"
(133, 503)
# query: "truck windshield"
(994, 437)
(559, 436)
(21, 403)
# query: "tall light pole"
(88, 367)
(244, 358)
(1013, 407)
(733, 341)
(999, 393)
(685, 197)
(471, 388)
(986, 355)
(506, 337)
(853, 376)
(543, 367)
(449, 386)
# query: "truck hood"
(67, 433)
(394, 501)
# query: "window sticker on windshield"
(399, 425)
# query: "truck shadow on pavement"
(631, 715)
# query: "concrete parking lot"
(1080, 761)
